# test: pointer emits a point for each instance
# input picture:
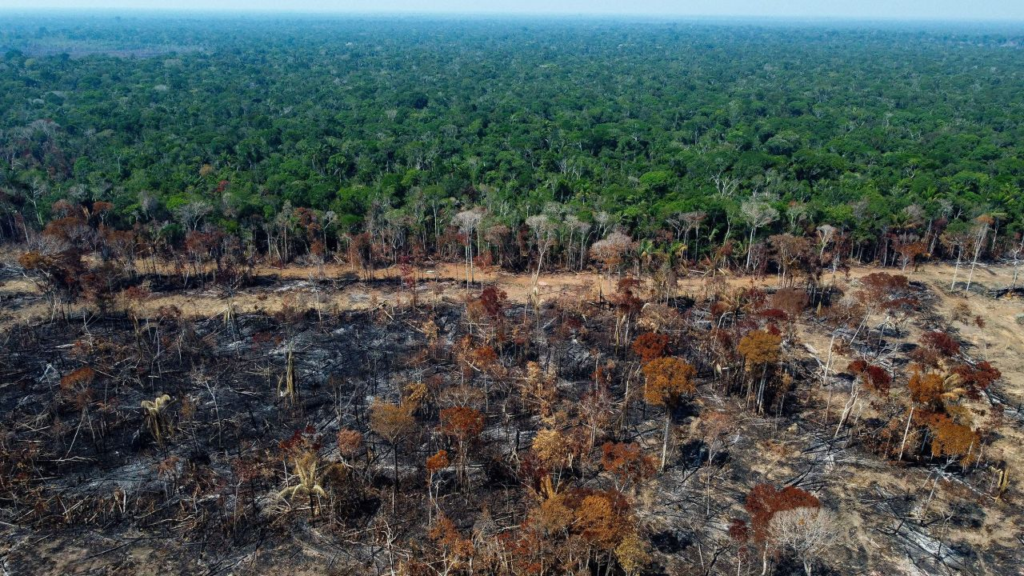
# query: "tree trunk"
(974, 264)
(760, 389)
(664, 439)
(956, 270)
(828, 360)
(624, 419)
(906, 431)
(394, 487)
(850, 404)
(750, 246)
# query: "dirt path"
(1000, 340)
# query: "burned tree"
(669, 383)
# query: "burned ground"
(212, 480)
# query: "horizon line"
(602, 15)
(677, 16)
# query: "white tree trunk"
(750, 245)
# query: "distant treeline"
(520, 142)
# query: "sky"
(998, 10)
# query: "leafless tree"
(956, 241)
(797, 213)
(545, 232)
(982, 224)
(826, 233)
(576, 226)
(611, 251)
(757, 214)
(468, 221)
(692, 222)
(808, 532)
(725, 185)
(1016, 251)
(191, 214)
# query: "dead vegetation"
(868, 423)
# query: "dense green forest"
(695, 133)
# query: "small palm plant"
(309, 480)
(156, 416)
(286, 384)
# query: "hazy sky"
(885, 9)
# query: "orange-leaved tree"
(761, 350)
(464, 425)
(557, 451)
(455, 551)
(394, 423)
(669, 382)
(435, 464)
(627, 464)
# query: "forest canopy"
(233, 122)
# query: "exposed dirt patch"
(187, 505)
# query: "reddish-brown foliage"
(650, 346)
(136, 293)
(493, 301)
(61, 272)
(626, 462)
(453, 546)
(911, 250)
(74, 230)
(764, 501)
(718, 309)
(350, 442)
(604, 375)
(360, 251)
(941, 342)
(883, 285)
(64, 209)
(792, 301)
(875, 378)
(625, 301)
(738, 530)
(886, 292)
(301, 441)
(484, 357)
(774, 314)
(438, 462)
(462, 422)
(977, 378)
(99, 286)
(77, 378)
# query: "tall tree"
(757, 214)
(669, 382)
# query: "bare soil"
(108, 499)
